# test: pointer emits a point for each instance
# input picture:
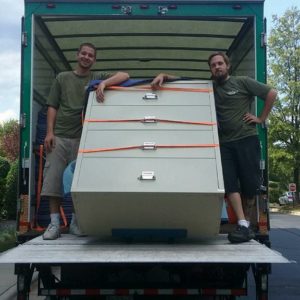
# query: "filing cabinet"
(149, 162)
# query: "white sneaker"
(52, 232)
(75, 230)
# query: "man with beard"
(239, 143)
(64, 125)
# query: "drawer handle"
(147, 175)
(150, 96)
(149, 146)
(149, 119)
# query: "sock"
(55, 219)
(243, 223)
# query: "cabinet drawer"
(103, 117)
(183, 94)
(189, 175)
(178, 143)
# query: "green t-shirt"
(67, 95)
(233, 100)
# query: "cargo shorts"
(62, 154)
(241, 166)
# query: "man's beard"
(220, 78)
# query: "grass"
(7, 239)
(288, 208)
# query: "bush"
(4, 167)
(7, 239)
(10, 196)
(9, 140)
(274, 191)
(274, 195)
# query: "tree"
(10, 196)
(9, 140)
(4, 170)
(284, 75)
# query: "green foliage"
(284, 75)
(9, 140)
(280, 166)
(274, 191)
(9, 153)
(274, 195)
(10, 196)
(4, 167)
(7, 239)
(2, 192)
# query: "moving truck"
(142, 38)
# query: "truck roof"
(72, 249)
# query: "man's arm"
(160, 79)
(113, 80)
(49, 142)
(269, 101)
(268, 104)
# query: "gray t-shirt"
(67, 95)
(233, 100)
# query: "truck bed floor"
(72, 249)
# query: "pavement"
(8, 284)
(8, 279)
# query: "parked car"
(286, 198)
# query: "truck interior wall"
(242, 55)
(46, 61)
(45, 67)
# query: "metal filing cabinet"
(147, 163)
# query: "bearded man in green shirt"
(239, 143)
(64, 125)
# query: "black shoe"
(241, 234)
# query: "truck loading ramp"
(72, 249)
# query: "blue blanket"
(129, 82)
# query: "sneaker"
(52, 232)
(241, 234)
(75, 230)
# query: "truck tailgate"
(72, 249)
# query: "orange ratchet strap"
(148, 88)
(145, 147)
(150, 120)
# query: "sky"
(10, 57)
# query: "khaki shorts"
(65, 151)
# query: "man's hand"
(249, 119)
(158, 81)
(100, 91)
(49, 142)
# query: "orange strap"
(39, 186)
(149, 88)
(152, 120)
(40, 177)
(63, 216)
(143, 147)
